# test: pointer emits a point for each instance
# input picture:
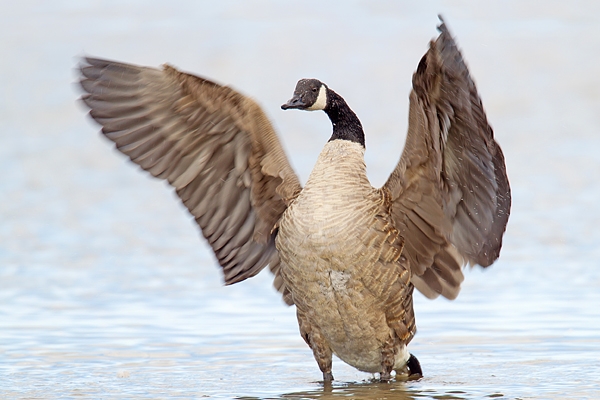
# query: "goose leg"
(321, 350)
(322, 353)
(388, 359)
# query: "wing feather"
(212, 144)
(450, 192)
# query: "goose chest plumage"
(341, 260)
(347, 255)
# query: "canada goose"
(346, 254)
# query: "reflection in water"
(366, 390)
(374, 389)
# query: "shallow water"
(108, 291)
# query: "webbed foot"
(414, 368)
(385, 376)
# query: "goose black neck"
(346, 124)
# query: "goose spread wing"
(215, 146)
(450, 192)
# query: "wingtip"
(81, 63)
(443, 27)
(87, 60)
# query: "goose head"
(310, 94)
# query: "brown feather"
(206, 140)
(450, 186)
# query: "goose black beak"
(294, 102)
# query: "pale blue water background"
(108, 291)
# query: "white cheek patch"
(321, 100)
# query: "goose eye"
(314, 90)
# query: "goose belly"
(325, 251)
